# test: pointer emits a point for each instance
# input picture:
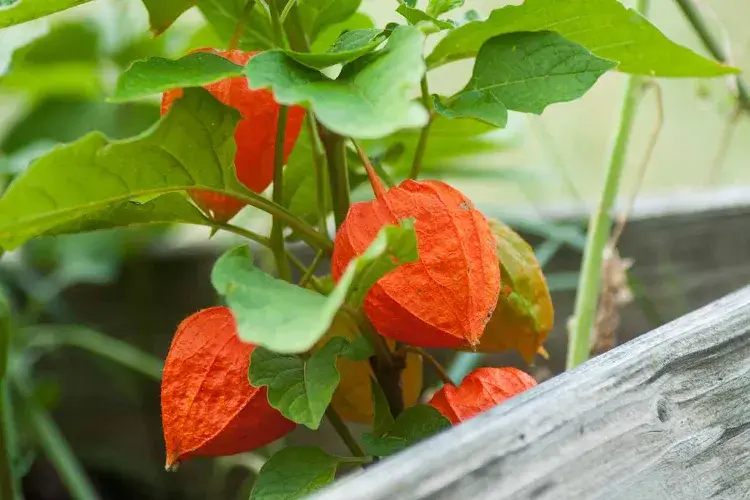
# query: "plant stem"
(343, 431)
(277, 229)
(442, 373)
(55, 446)
(241, 231)
(239, 28)
(375, 182)
(338, 174)
(319, 162)
(287, 9)
(8, 483)
(712, 44)
(278, 29)
(310, 270)
(416, 165)
(589, 284)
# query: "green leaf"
(349, 46)
(413, 425)
(372, 96)
(65, 42)
(382, 417)
(168, 208)
(329, 35)
(524, 72)
(224, 15)
(162, 13)
(316, 15)
(605, 27)
(301, 389)
(192, 147)
(294, 472)
(416, 16)
(22, 11)
(300, 190)
(156, 74)
(437, 8)
(260, 303)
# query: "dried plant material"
(447, 296)
(208, 406)
(615, 295)
(255, 135)
(479, 391)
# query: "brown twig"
(439, 369)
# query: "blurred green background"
(135, 286)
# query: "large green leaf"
(348, 47)
(224, 15)
(162, 13)
(301, 389)
(294, 472)
(605, 27)
(261, 304)
(525, 72)
(372, 97)
(156, 74)
(413, 425)
(22, 11)
(192, 147)
(316, 15)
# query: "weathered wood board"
(665, 416)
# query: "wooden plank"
(665, 416)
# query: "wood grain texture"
(665, 416)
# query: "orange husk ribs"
(479, 391)
(208, 406)
(446, 297)
(255, 135)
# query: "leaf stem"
(343, 431)
(696, 19)
(277, 229)
(8, 483)
(589, 284)
(278, 29)
(375, 182)
(416, 165)
(319, 162)
(54, 444)
(287, 9)
(338, 174)
(241, 231)
(442, 373)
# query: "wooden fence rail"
(665, 416)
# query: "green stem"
(343, 431)
(54, 445)
(287, 9)
(241, 231)
(9, 486)
(277, 229)
(97, 343)
(278, 29)
(338, 174)
(713, 45)
(589, 284)
(319, 162)
(239, 28)
(311, 270)
(416, 165)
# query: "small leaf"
(525, 72)
(349, 46)
(162, 13)
(329, 35)
(294, 472)
(301, 389)
(260, 303)
(156, 74)
(416, 16)
(437, 8)
(316, 15)
(605, 27)
(22, 11)
(191, 147)
(383, 418)
(372, 97)
(413, 425)
(223, 15)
